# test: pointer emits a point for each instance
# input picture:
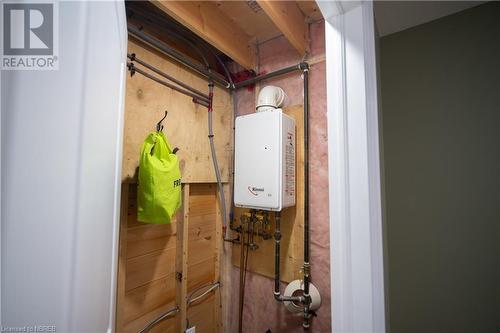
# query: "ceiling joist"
(206, 20)
(289, 19)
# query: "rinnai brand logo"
(30, 39)
(255, 190)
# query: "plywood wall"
(292, 222)
(186, 124)
(152, 256)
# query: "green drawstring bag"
(159, 193)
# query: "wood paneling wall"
(151, 256)
(147, 258)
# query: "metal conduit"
(162, 23)
(286, 70)
(161, 317)
(211, 287)
(194, 44)
(166, 84)
(176, 55)
(307, 266)
(201, 102)
(222, 197)
(134, 58)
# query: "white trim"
(357, 277)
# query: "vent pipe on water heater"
(270, 98)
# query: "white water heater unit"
(265, 161)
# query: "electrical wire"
(210, 49)
(211, 287)
(233, 121)
(222, 196)
(164, 315)
(246, 257)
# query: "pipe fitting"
(282, 298)
(270, 98)
(309, 302)
(306, 325)
(304, 66)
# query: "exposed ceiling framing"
(206, 20)
(235, 27)
(287, 16)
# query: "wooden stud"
(218, 249)
(181, 262)
(310, 9)
(287, 16)
(122, 258)
(206, 20)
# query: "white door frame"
(356, 248)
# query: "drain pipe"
(277, 249)
(307, 266)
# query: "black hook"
(131, 68)
(159, 126)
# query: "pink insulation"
(261, 311)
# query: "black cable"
(246, 260)
(245, 267)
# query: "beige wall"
(441, 143)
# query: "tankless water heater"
(265, 161)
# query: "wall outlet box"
(191, 330)
(264, 171)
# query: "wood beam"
(181, 269)
(287, 16)
(206, 20)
